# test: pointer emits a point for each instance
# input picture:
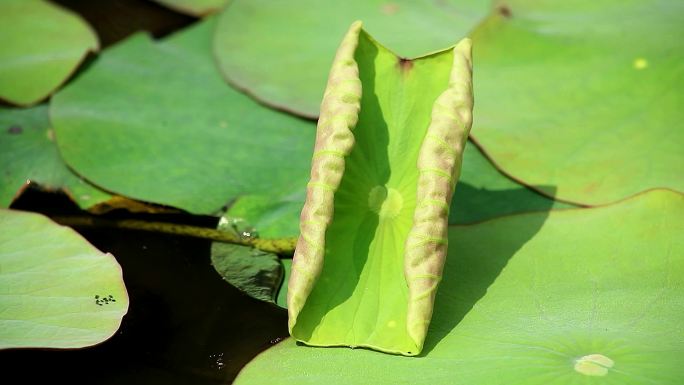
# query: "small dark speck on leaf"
(15, 129)
(505, 11)
(405, 64)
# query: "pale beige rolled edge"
(334, 141)
(439, 165)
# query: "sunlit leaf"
(194, 7)
(280, 51)
(42, 44)
(590, 296)
(582, 95)
(155, 122)
(28, 153)
(388, 153)
(56, 290)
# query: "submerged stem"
(283, 246)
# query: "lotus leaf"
(257, 273)
(585, 96)
(287, 68)
(388, 153)
(56, 289)
(194, 7)
(28, 153)
(168, 130)
(42, 44)
(582, 296)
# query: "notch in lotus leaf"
(373, 229)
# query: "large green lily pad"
(281, 51)
(586, 296)
(155, 122)
(56, 290)
(194, 7)
(28, 153)
(42, 44)
(585, 96)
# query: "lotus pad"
(297, 40)
(42, 44)
(373, 228)
(56, 290)
(584, 95)
(586, 296)
(194, 7)
(28, 153)
(155, 122)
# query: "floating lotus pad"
(42, 44)
(194, 7)
(284, 60)
(567, 297)
(584, 96)
(59, 292)
(155, 122)
(28, 153)
(388, 153)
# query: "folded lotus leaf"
(373, 230)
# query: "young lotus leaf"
(283, 60)
(194, 7)
(586, 96)
(56, 290)
(28, 153)
(586, 296)
(42, 44)
(388, 153)
(155, 122)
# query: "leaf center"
(386, 202)
(593, 365)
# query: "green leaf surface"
(282, 294)
(194, 7)
(284, 60)
(483, 192)
(257, 273)
(28, 153)
(57, 292)
(586, 96)
(155, 122)
(586, 296)
(388, 153)
(42, 44)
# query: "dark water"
(185, 324)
